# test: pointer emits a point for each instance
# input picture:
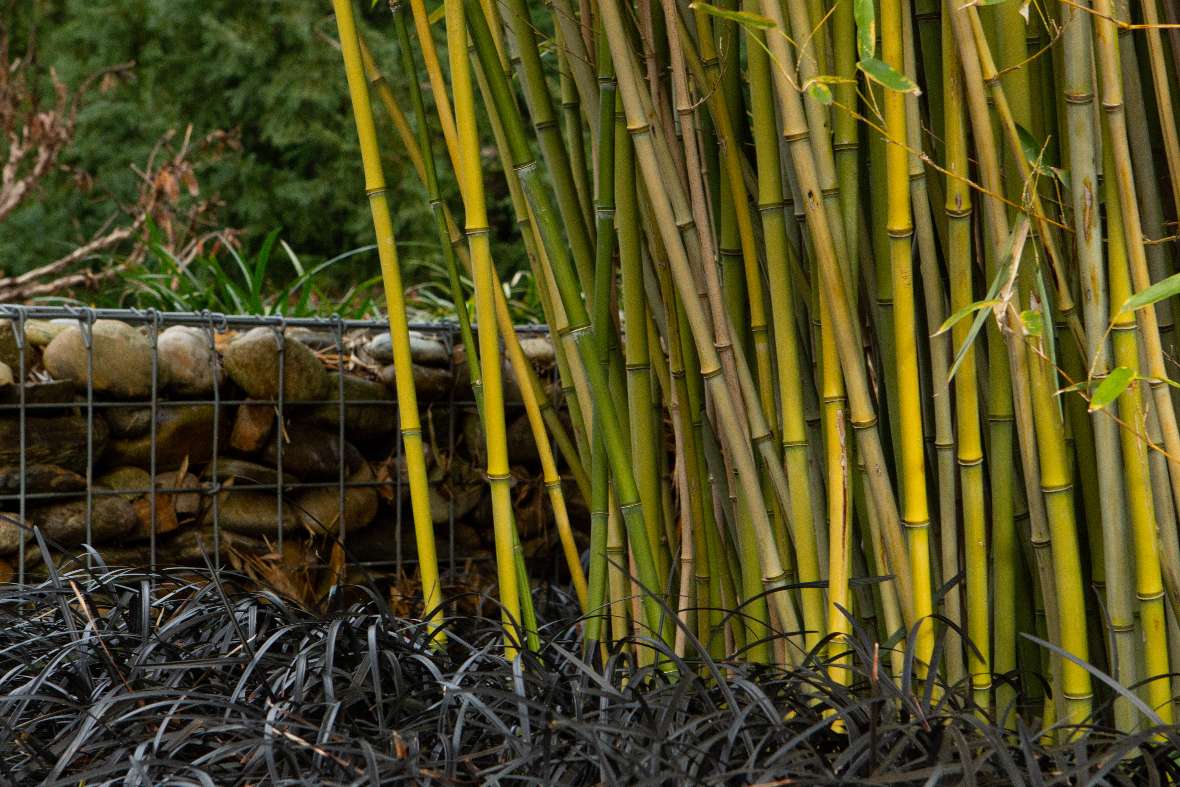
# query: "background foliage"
(267, 71)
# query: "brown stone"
(252, 360)
(40, 478)
(65, 522)
(319, 508)
(313, 454)
(183, 433)
(58, 440)
(253, 425)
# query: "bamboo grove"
(863, 316)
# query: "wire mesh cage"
(151, 439)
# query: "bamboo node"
(1078, 98)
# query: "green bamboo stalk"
(1140, 510)
(864, 419)
(795, 450)
(529, 388)
(970, 449)
(1079, 98)
(606, 420)
(1110, 82)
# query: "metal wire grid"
(212, 324)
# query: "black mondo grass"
(121, 676)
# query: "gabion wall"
(159, 439)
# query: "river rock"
(188, 362)
(430, 383)
(189, 546)
(380, 542)
(39, 333)
(362, 422)
(122, 359)
(58, 440)
(129, 482)
(181, 431)
(464, 498)
(316, 340)
(40, 478)
(425, 349)
(253, 424)
(245, 474)
(65, 522)
(9, 351)
(252, 360)
(254, 513)
(319, 508)
(538, 350)
(52, 392)
(522, 448)
(128, 421)
(6, 376)
(313, 454)
(12, 533)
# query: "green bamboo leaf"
(1034, 151)
(744, 18)
(955, 318)
(1157, 292)
(1034, 322)
(1109, 389)
(866, 28)
(820, 92)
(1004, 273)
(887, 76)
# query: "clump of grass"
(228, 278)
(111, 675)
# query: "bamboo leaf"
(1034, 151)
(1005, 276)
(820, 92)
(1157, 292)
(1033, 321)
(1111, 388)
(887, 76)
(866, 28)
(744, 18)
(955, 318)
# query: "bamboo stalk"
(411, 428)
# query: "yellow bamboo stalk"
(915, 512)
(483, 275)
(407, 397)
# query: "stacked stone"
(205, 419)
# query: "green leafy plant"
(228, 279)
